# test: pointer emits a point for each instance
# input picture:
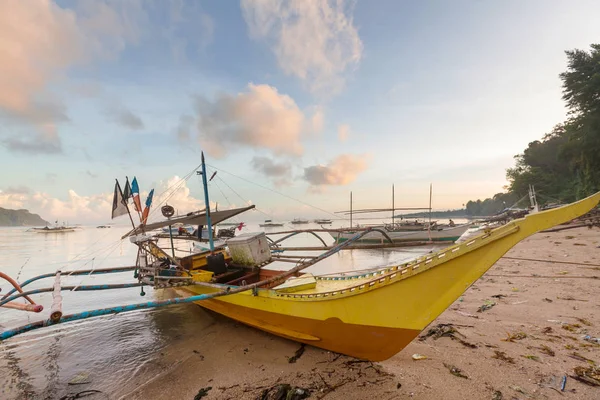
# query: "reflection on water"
(110, 350)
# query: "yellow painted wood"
(297, 284)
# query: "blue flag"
(149, 198)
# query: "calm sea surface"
(109, 350)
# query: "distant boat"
(103, 226)
(296, 221)
(230, 223)
(323, 221)
(55, 229)
(269, 223)
(183, 229)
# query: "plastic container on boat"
(249, 249)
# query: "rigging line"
(94, 267)
(176, 186)
(244, 201)
(19, 274)
(276, 192)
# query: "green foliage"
(492, 206)
(565, 164)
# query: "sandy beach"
(530, 335)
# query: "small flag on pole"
(135, 193)
(147, 209)
(119, 206)
(127, 189)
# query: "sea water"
(110, 352)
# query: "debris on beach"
(518, 389)
(418, 357)
(498, 296)
(455, 371)
(589, 375)
(500, 355)
(571, 327)
(547, 330)
(591, 339)
(531, 357)
(297, 355)
(546, 350)
(80, 379)
(547, 300)
(497, 395)
(584, 321)
(447, 330)
(284, 391)
(202, 392)
(514, 336)
(579, 357)
(486, 306)
(466, 314)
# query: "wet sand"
(537, 299)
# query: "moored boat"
(297, 221)
(346, 312)
(445, 234)
(269, 223)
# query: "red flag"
(145, 215)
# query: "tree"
(581, 91)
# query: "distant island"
(462, 213)
(20, 218)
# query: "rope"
(551, 261)
(543, 276)
(275, 191)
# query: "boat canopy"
(191, 219)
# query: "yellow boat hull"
(374, 316)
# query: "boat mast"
(207, 205)
(429, 224)
(350, 209)
(392, 204)
(532, 199)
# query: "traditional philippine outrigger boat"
(348, 313)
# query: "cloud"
(175, 192)
(16, 190)
(126, 118)
(280, 172)
(343, 132)
(258, 118)
(44, 141)
(96, 207)
(315, 41)
(341, 171)
(40, 42)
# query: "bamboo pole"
(56, 308)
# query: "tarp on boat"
(191, 219)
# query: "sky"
(294, 103)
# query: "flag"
(119, 206)
(127, 189)
(147, 209)
(135, 193)
(149, 198)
